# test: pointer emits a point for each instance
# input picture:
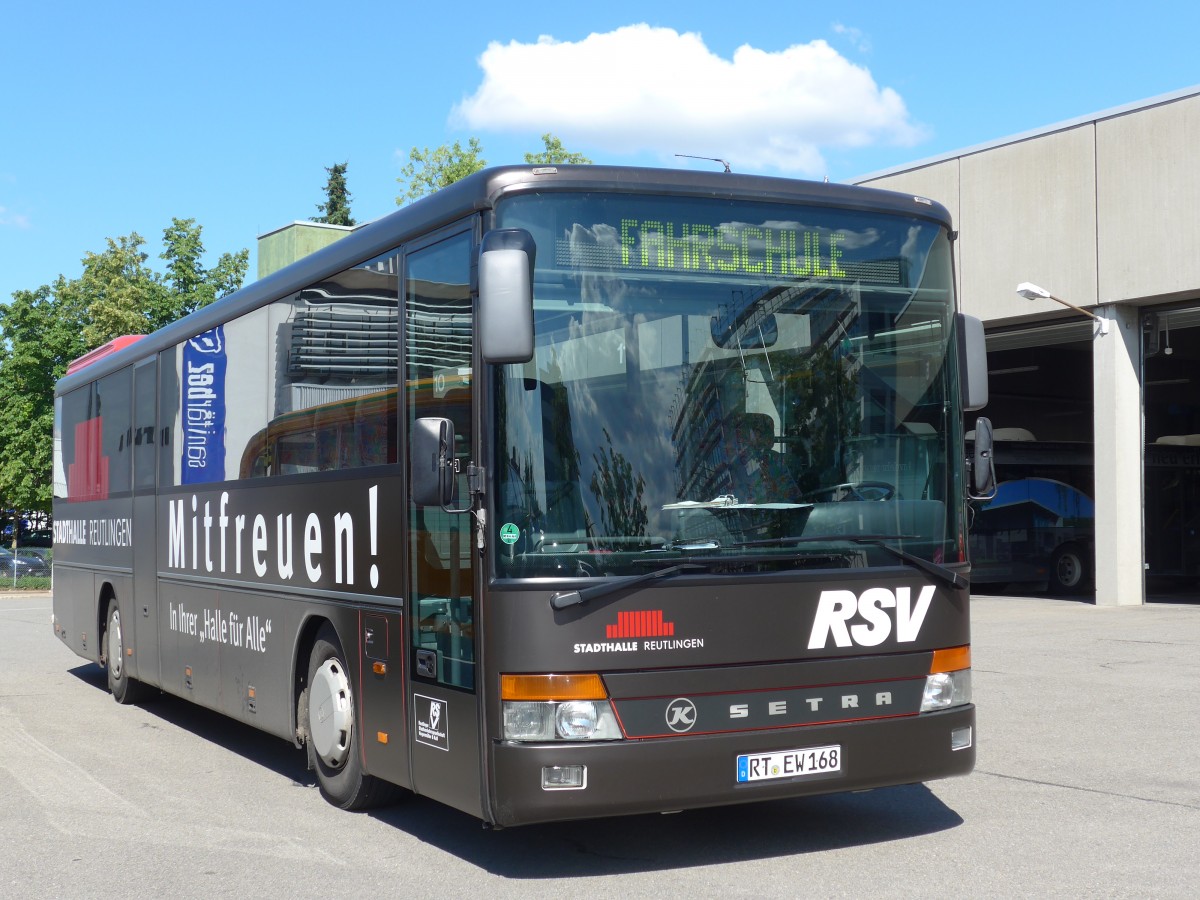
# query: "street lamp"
(1032, 292)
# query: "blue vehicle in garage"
(1034, 530)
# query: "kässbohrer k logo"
(681, 715)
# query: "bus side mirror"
(983, 464)
(506, 258)
(431, 461)
(972, 361)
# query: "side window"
(214, 399)
(438, 327)
(334, 347)
(59, 477)
(306, 384)
(96, 454)
(145, 381)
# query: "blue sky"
(114, 118)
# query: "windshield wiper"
(941, 573)
(563, 599)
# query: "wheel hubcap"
(1068, 571)
(331, 713)
(115, 660)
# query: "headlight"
(549, 720)
(575, 720)
(949, 681)
(944, 690)
(571, 707)
(526, 721)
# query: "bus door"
(143, 436)
(444, 731)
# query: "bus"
(1039, 528)
(564, 492)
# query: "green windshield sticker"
(509, 533)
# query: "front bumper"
(687, 772)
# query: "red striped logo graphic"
(640, 623)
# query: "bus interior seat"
(887, 517)
(1007, 434)
(1179, 440)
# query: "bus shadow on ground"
(689, 839)
(266, 750)
(613, 846)
(649, 843)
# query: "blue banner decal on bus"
(203, 402)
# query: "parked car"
(22, 565)
(44, 555)
(35, 539)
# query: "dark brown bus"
(564, 492)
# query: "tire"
(1068, 570)
(328, 711)
(124, 689)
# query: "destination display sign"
(738, 249)
(731, 247)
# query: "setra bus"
(563, 492)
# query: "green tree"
(555, 154)
(125, 296)
(430, 170)
(619, 493)
(42, 330)
(119, 291)
(336, 208)
(190, 285)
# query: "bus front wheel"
(1068, 569)
(327, 707)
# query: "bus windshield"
(764, 386)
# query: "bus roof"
(481, 191)
(113, 346)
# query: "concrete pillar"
(1116, 367)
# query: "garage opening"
(1171, 404)
(1038, 532)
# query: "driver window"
(438, 344)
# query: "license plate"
(789, 763)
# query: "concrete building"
(1103, 212)
(283, 246)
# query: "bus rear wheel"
(123, 688)
(327, 708)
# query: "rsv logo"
(877, 609)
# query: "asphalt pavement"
(1087, 785)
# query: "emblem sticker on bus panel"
(432, 721)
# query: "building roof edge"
(1113, 113)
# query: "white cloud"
(855, 36)
(641, 89)
(10, 219)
